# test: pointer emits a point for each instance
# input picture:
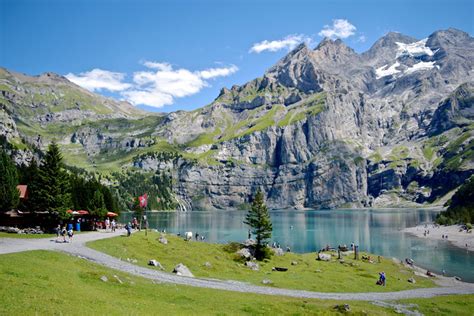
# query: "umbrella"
(83, 212)
(111, 214)
(72, 212)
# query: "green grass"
(352, 276)
(52, 283)
(26, 236)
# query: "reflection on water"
(376, 231)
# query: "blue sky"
(178, 54)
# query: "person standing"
(58, 232)
(114, 225)
(107, 224)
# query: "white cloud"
(157, 86)
(289, 42)
(218, 72)
(98, 79)
(161, 84)
(340, 28)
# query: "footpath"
(79, 249)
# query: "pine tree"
(97, 204)
(52, 193)
(9, 195)
(259, 220)
(30, 177)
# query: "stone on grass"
(324, 257)
(252, 265)
(155, 263)
(412, 280)
(208, 264)
(163, 240)
(343, 308)
(104, 278)
(278, 251)
(182, 270)
(267, 281)
(294, 263)
(245, 253)
(249, 242)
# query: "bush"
(232, 247)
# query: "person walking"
(107, 224)
(114, 225)
(58, 232)
(128, 227)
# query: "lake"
(374, 230)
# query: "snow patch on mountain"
(384, 71)
(415, 49)
(421, 66)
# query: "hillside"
(324, 127)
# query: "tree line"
(52, 188)
(461, 206)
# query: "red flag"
(143, 200)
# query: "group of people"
(62, 232)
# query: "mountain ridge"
(324, 127)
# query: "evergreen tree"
(97, 205)
(52, 192)
(259, 220)
(29, 175)
(9, 195)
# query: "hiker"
(58, 232)
(135, 223)
(128, 227)
(63, 233)
(113, 225)
(107, 224)
(70, 234)
(382, 278)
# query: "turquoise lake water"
(375, 231)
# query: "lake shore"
(458, 238)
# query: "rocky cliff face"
(324, 127)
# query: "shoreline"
(436, 232)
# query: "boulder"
(163, 240)
(294, 263)
(266, 281)
(155, 263)
(278, 251)
(343, 308)
(104, 278)
(249, 242)
(324, 257)
(412, 280)
(252, 265)
(208, 264)
(245, 253)
(182, 270)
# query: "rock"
(324, 257)
(208, 264)
(412, 280)
(249, 242)
(294, 263)
(266, 281)
(118, 279)
(182, 270)
(278, 251)
(155, 263)
(245, 253)
(343, 308)
(252, 265)
(163, 240)
(134, 260)
(104, 278)
(318, 271)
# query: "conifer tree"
(52, 193)
(9, 195)
(259, 220)
(97, 204)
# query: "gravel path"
(78, 248)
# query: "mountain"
(324, 127)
